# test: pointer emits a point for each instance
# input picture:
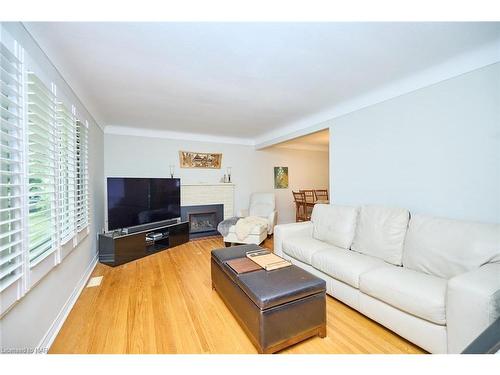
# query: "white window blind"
(42, 143)
(44, 187)
(82, 191)
(11, 169)
(67, 173)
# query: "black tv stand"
(117, 247)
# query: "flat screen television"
(137, 201)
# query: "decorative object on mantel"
(172, 170)
(281, 177)
(228, 170)
(190, 159)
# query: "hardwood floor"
(164, 303)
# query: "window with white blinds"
(82, 176)
(42, 169)
(11, 169)
(67, 172)
(44, 186)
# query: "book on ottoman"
(243, 265)
(267, 260)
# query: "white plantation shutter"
(67, 173)
(11, 173)
(42, 143)
(44, 182)
(82, 191)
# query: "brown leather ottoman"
(275, 308)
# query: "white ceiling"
(242, 80)
(318, 141)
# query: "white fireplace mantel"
(209, 193)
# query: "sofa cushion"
(414, 292)
(334, 224)
(380, 232)
(303, 248)
(446, 248)
(345, 265)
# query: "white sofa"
(434, 281)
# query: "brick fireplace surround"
(206, 193)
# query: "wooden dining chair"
(301, 210)
(321, 196)
(310, 201)
(309, 194)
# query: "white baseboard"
(58, 322)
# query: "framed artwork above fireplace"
(189, 159)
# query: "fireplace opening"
(203, 219)
(202, 222)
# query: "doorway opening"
(306, 159)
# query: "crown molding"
(479, 58)
(166, 134)
(304, 147)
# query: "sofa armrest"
(472, 304)
(285, 231)
(272, 219)
(242, 213)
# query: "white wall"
(435, 150)
(33, 319)
(132, 156)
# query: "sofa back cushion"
(334, 224)
(380, 232)
(446, 248)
